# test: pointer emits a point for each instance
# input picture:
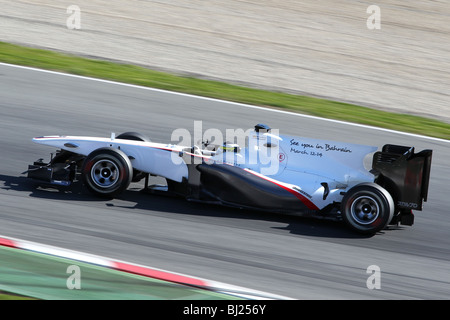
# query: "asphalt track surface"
(290, 256)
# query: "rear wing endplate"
(404, 173)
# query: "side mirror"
(263, 127)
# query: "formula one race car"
(276, 173)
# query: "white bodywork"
(300, 164)
(148, 157)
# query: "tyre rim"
(365, 210)
(104, 173)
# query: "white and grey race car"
(277, 173)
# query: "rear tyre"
(106, 172)
(136, 136)
(367, 208)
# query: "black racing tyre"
(136, 136)
(367, 208)
(106, 172)
(133, 136)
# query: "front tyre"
(106, 172)
(136, 136)
(367, 208)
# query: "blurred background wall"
(319, 48)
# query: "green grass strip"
(126, 73)
(12, 296)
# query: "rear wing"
(404, 173)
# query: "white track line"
(224, 101)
